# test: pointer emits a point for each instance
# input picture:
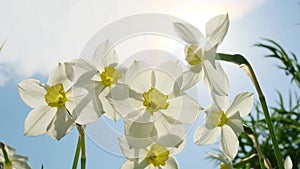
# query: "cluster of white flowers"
(152, 100)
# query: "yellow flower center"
(8, 165)
(224, 166)
(110, 76)
(56, 96)
(217, 119)
(155, 100)
(157, 155)
(192, 57)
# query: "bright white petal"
(85, 78)
(32, 92)
(61, 74)
(220, 101)
(288, 164)
(129, 152)
(236, 123)
(229, 142)
(164, 82)
(171, 163)
(205, 136)
(216, 29)
(188, 32)
(37, 120)
(61, 124)
(135, 165)
(105, 55)
(216, 78)
(188, 80)
(89, 107)
(183, 109)
(242, 103)
(140, 135)
(139, 76)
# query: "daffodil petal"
(216, 78)
(171, 163)
(138, 76)
(188, 80)
(61, 124)
(61, 74)
(221, 101)
(89, 108)
(105, 55)
(32, 92)
(242, 103)
(229, 142)
(205, 136)
(188, 33)
(130, 152)
(37, 120)
(140, 135)
(183, 109)
(236, 123)
(216, 29)
(135, 165)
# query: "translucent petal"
(140, 135)
(89, 107)
(216, 29)
(138, 76)
(229, 142)
(183, 109)
(61, 74)
(38, 119)
(105, 55)
(135, 165)
(188, 32)
(220, 101)
(171, 163)
(242, 103)
(205, 136)
(188, 80)
(166, 75)
(130, 152)
(61, 124)
(236, 123)
(216, 78)
(32, 93)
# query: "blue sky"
(40, 34)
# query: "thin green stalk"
(243, 63)
(253, 137)
(76, 157)
(82, 142)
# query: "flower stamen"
(155, 100)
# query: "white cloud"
(41, 33)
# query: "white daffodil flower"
(201, 53)
(288, 164)
(52, 103)
(228, 123)
(155, 156)
(97, 79)
(10, 160)
(148, 95)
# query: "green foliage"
(290, 63)
(285, 118)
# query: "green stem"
(76, 157)
(242, 62)
(83, 149)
